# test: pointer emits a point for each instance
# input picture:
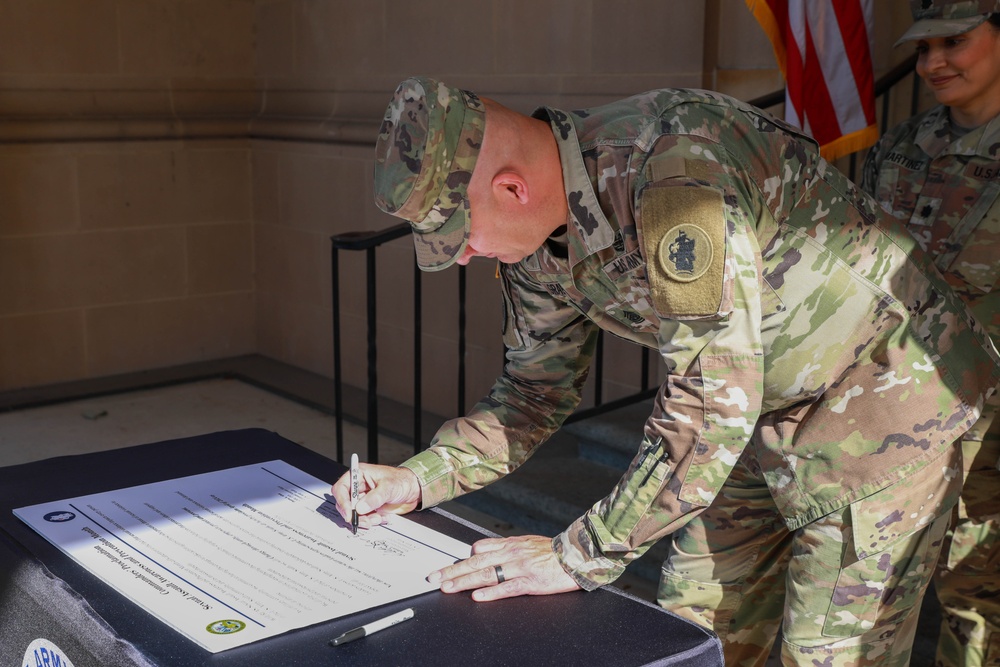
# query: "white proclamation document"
(230, 557)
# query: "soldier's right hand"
(383, 490)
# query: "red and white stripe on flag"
(824, 50)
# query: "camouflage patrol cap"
(426, 151)
(944, 18)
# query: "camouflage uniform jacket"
(787, 315)
(947, 192)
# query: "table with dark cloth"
(45, 595)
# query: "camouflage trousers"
(737, 570)
(967, 580)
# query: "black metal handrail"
(370, 241)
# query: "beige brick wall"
(171, 170)
(117, 257)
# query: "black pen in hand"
(355, 482)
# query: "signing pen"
(373, 627)
(355, 483)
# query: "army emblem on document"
(685, 253)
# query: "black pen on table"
(373, 627)
(355, 483)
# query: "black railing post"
(645, 369)
(417, 365)
(338, 410)
(599, 369)
(885, 113)
(461, 339)
(372, 360)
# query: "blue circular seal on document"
(226, 627)
(44, 652)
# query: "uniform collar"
(987, 142)
(588, 229)
(934, 137)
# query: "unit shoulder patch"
(684, 240)
(685, 253)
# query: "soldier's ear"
(510, 187)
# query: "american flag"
(824, 50)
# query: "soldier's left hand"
(507, 567)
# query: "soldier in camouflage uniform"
(939, 173)
(801, 449)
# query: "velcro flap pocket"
(887, 516)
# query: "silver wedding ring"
(499, 571)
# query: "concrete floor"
(177, 411)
